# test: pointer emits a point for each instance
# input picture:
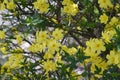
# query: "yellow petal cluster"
(93, 50)
(103, 18)
(3, 50)
(57, 34)
(107, 35)
(44, 41)
(70, 51)
(41, 5)
(2, 35)
(53, 45)
(113, 58)
(95, 46)
(19, 39)
(9, 4)
(14, 62)
(49, 65)
(105, 4)
(70, 8)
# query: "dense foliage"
(60, 39)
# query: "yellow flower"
(2, 35)
(15, 56)
(11, 5)
(108, 27)
(5, 67)
(19, 39)
(71, 9)
(99, 45)
(67, 2)
(41, 5)
(72, 51)
(103, 18)
(13, 62)
(58, 58)
(94, 59)
(53, 45)
(2, 6)
(42, 1)
(105, 3)
(102, 65)
(107, 35)
(113, 57)
(41, 36)
(3, 50)
(57, 34)
(90, 43)
(5, 1)
(48, 55)
(36, 47)
(44, 7)
(36, 5)
(65, 48)
(95, 46)
(114, 21)
(49, 65)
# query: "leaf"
(98, 70)
(81, 56)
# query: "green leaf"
(98, 70)
(81, 57)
